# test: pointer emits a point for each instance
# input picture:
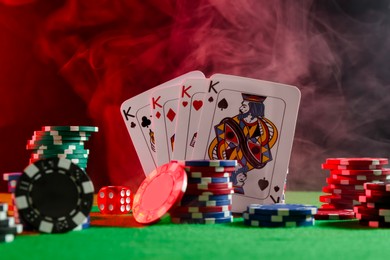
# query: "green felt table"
(326, 240)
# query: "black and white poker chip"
(54, 195)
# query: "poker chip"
(208, 180)
(209, 174)
(201, 209)
(282, 209)
(380, 186)
(210, 186)
(62, 133)
(7, 238)
(209, 169)
(357, 161)
(13, 230)
(365, 178)
(258, 223)
(209, 192)
(61, 151)
(54, 195)
(341, 191)
(374, 224)
(54, 146)
(377, 193)
(334, 214)
(71, 128)
(201, 215)
(349, 167)
(276, 218)
(159, 192)
(210, 163)
(363, 209)
(66, 138)
(339, 200)
(377, 172)
(221, 220)
(3, 207)
(347, 182)
(188, 197)
(207, 203)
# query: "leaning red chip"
(159, 192)
(358, 161)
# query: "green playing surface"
(326, 240)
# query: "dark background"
(74, 63)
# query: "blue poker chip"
(206, 197)
(201, 215)
(282, 209)
(197, 203)
(211, 163)
(207, 180)
(202, 221)
(276, 218)
(259, 223)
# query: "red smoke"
(75, 62)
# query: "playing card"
(253, 122)
(136, 113)
(190, 109)
(164, 113)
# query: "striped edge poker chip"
(167, 183)
(357, 161)
(57, 202)
(282, 209)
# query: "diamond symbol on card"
(171, 115)
(158, 114)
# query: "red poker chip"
(335, 199)
(334, 214)
(377, 193)
(341, 192)
(357, 161)
(366, 178)
(325, 166)
(210, 186)
(330, 206)
(205, 209)
(209, 192)
(363, 209)
(344, 182)
(374, 224)
(380, 186)
(347, 187)
(374, 199)
(159, 192)
(377, 205)
(370, 217)
(377, 172)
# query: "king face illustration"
(246, 137)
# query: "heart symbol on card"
(184, 103)
(197, 104)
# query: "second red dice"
(114, 200)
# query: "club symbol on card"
(276, 188)
(132, 125)
(263, 184)
(197, 104)
(211, 99)
(184, 103)
(145, 122)
(223, 104)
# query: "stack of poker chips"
(345, 184)
(8, 228)
(12, 179)
(374, 210)
(62, 142)
(208, 196)
(279, 215)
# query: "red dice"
(114, 200)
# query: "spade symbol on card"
(263, 184)
(276, 188)
(211, 99)
(132, 125)
(223, 104)
(145, 122)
